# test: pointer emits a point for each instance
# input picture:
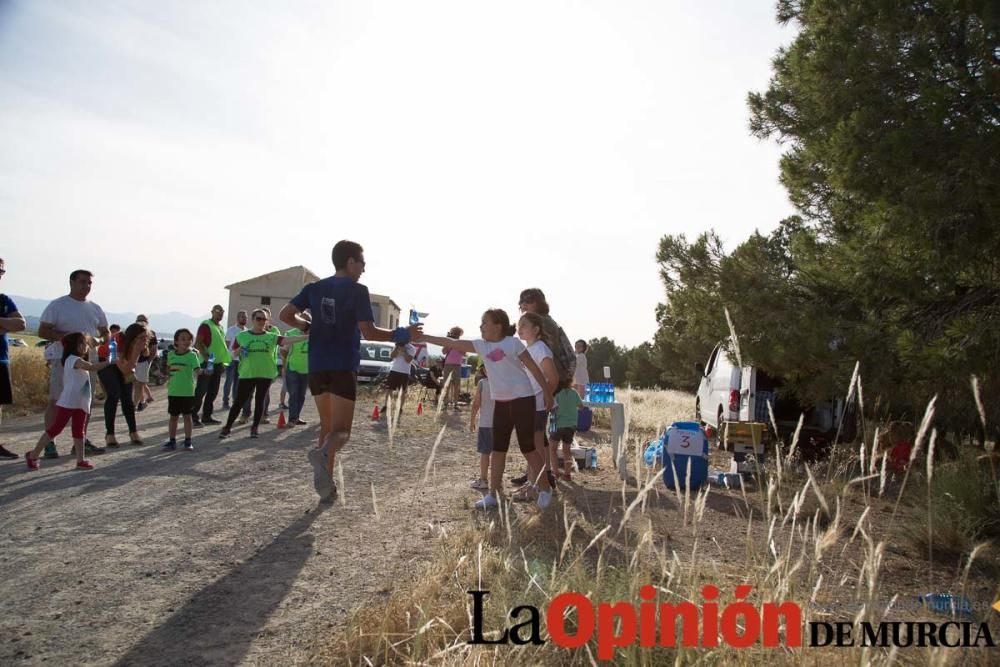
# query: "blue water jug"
(678, 440)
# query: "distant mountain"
(163, 323)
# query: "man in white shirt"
(399, 374)
(232, 375)
(69, 314)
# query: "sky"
(473, 149)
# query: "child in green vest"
(184, 367)
(568, 403)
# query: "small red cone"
(375, 414)
(420, 408)
(281, 419)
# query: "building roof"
(307, 276)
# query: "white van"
(718, 397)
(728, 393)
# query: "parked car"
(17, 342)
(375, 360)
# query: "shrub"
(30, 377)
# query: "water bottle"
(588, 393)
(611, 393)
(210, 366)
(113, 350)
(592, 458)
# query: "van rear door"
(748, 394)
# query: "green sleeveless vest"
(218, 346)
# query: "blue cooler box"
(685, 447)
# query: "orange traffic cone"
(375, 414)
(281, 419)
(420, 408)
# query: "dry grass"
(30, 377)
(649, 411)
(806, 538)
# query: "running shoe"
(223, 434)
(196, 421)
(31, 461)
(170, 446)
(84, 465)
(322, 481)
(265, 420)
(544, 499)
(479, 485)
(92, 449)
(50, 451)
(253, 433)
(487, 502)
(7, 454)
(519, 480)
(188, 446)
(282, 406)
(140, 407)
(243, 420)
(210, 420)
(301, 422)
(329, 498)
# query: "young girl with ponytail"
(508, 365)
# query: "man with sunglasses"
(341, 313)
(210, 339)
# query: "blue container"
(584, 419)
(693, 439)
(654, 453)
(466, 370)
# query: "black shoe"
(91, 448)
(7, 454)
(140, 407)
(519, 480)
(253, 433)
(210, 420)
(223, 434)
(196, 422)
(50, 451)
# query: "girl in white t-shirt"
(508, 364)
(529, 330)
(73, 404)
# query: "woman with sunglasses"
(256, 349)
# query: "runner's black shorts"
(398, 380)
(180, 405)
(338, 383)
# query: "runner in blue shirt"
(341, 312)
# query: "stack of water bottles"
(600, 392)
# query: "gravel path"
(218, 556)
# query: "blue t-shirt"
(337, 305)
(7, 307)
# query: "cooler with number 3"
(685, 455)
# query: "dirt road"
(218, 556)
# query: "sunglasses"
(260, 319)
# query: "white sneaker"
(544, 499)
(479, 484)
(488, 502)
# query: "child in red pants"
(74, 401)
